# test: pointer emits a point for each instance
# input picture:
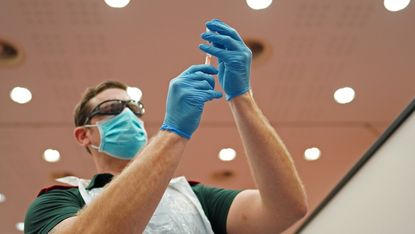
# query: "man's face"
(108, 94)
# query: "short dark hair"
(82, 109)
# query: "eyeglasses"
(114, 107)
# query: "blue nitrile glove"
(186, 98)
(234, 57)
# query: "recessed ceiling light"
(396, 5)
(117, 3)
(312, 154)
(258, 4)
(135, 93)
(51, 155)
(20, 226)
(227, 154)
(21, 95)
(344, 95)
(2, 197)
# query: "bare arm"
(280, 199)
(129, 201)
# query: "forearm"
(129, 201)
(271, 164)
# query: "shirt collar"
(99, 180)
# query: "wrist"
(243, 98)
(175, 131)
(243, 102)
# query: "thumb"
(213, 94)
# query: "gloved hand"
(234, 57)
(186, 98)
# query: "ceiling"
(311, 49)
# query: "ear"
(80, 134)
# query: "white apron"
(179, 210)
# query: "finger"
(200, 76)
(220, 27)
(218, 46)
(224, 41)
(219, 60)
(213, 94)
(221, 68)
(209, 69)
(203, 85)
(217, 52)
(208, 95)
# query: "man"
(142, 197)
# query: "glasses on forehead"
(114, 107)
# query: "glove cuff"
(177, 131)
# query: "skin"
(280, 199)
(277, 203)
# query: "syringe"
(208, 57)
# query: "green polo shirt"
(53, 206)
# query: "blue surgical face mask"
(122, 136)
